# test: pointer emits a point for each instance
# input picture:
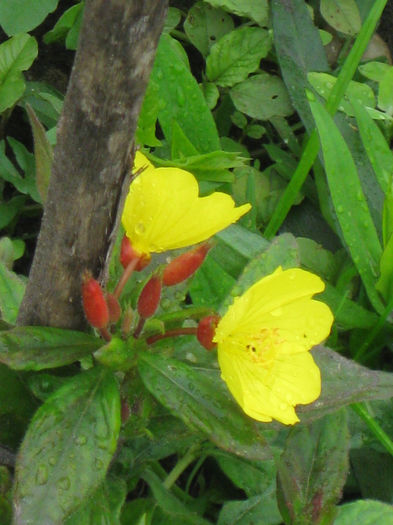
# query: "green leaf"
(10, 209)
(260, 509)
(262, 96)
(181, 99)
(20, 16)
(376, 146)
(146, 130)
(351, 207)
(67, 448)
(201, 400)
(313, 469)
(385, 282)
(172, 19)
(39, 347)
(256, 11)
(12, 289)
(205, 25)
(173, 508)
(211, 93)
(43, 154)
(103, 506)
(323, 84)
(374, 70)
(342, 15)
(364, 512)
(385, 96)
(344, 382)
(237, 54)
(16, 55)
(64, 24)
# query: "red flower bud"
(128, 254)
(206, 330)
(182, 267)
(113, 307)
(94, 303)
(150, 296)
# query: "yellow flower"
(163, 210)
(263, 342)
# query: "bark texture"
(90, 173)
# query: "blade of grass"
(312, 147)
(362, 411)
(358, 230)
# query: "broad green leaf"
(146, 130)
(313, 469)
(103, 507)
(256, 11)
(364, 512)
(67, 448)
(342, 15)
(237, 54)
(20, 16)
(201, 400)
(64, 24)
(356, 91)
(261, 509)
(351, 207)
(43, 154)
(10, 209)
(181, 99)
(39, 347)
(254, 477)
(374, 70)
(344, 382)
(376, 146)
(385, 92)
(294, 35)
(12, 289)
(385, 282)
(211, 94)
(176, 511)
(45, 100)
(11, 250)
(16, 55)
(205, 25)
(262, 96)
(172, 19)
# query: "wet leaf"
(313, 469)
(39, 347)
(67, 448)
(342, 15)
(201, 400)
(236, 55)
(256, 11)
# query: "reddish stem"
(171, 333)
(139, 327)
(124, 278)
(105, 334)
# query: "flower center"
(262, 347)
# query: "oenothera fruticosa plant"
(263, 339)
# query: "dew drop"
(140, 228)
(42, 474)
(278, 311)
(81, 440)
(52, 461)
(340, 209)
(64, 483)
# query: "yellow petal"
(270, 394)
(141, 163)
(268, 297)
(163, 211)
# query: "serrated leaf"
(350, 204)
(181, 99)
(237, 54)
(67, 448)
(20, 16)
(344, 382)
(256, 11)
(39, 347)
(43, 154)
(12, 289)
(365, 512)
(342, 15)
(201, 400)
(16, 55)
(262, 96)
(312, 470)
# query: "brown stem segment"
(139, 327)
(104, 333)
(171, 333)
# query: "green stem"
(181, 466)
(312, 147)
(363, 412)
